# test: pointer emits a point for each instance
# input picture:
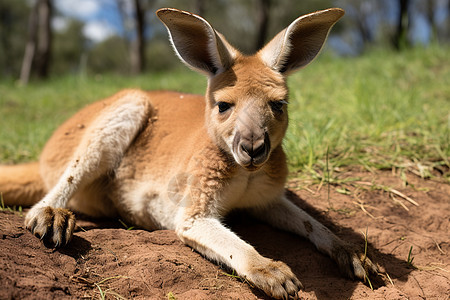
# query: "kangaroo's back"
(173, 117)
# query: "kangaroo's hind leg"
(100, 150)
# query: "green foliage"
(68, 48)
(13, 33)
(125, 225)
(160, 56)
(109, 56)
(381, 110)
(410, 259)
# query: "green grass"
(410, 259)
(125, 225)
(382, 110)
(379, 111)
(15, 209)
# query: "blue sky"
(101, 17)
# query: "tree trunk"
(447, 31)
(364, 10)
(37, 50)
(44, 41)
(30, 47)
(400, 38)
(137, 55)
(263, 23)
(199, 8)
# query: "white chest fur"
(155, 202)
(247, 190)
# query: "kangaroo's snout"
(251, 150)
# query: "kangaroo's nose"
(254, 149)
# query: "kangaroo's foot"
(54, 225)
(353, 262)
(275, 278)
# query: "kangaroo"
(177, 161)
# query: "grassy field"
(383, 110)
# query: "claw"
(276, 279)
(33, 226)
(352, 262)
(54, 225)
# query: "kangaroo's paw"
(54, 225)
(352, 262)
(275, 278)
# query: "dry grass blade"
(403, 196)
(309, 190)
(242, 279)
(389, 190)
(83, 280)
(102, 293)
(114, 294)
(111, 278)
(432, 267)
(361, 205)
(171, 296)
(389, 277)
(438, 247)
(366, 276)
(399, 202)
(365, 183)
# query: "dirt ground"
(104, 259)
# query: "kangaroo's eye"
(277, 106)
(223, 106)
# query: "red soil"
(105, 258)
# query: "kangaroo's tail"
(21, 184)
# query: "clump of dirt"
(105, 259)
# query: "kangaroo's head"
(247, 96)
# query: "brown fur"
(179, 161)
(21, 184)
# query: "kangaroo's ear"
(196, 43)
(298, 44)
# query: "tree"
(137, 58)
(430, 8)
(109, 56)
(37, 51)
(262, 23)
(400, 38)
(69, 49)
(133, 18)
(199, 7)
(13, 14)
